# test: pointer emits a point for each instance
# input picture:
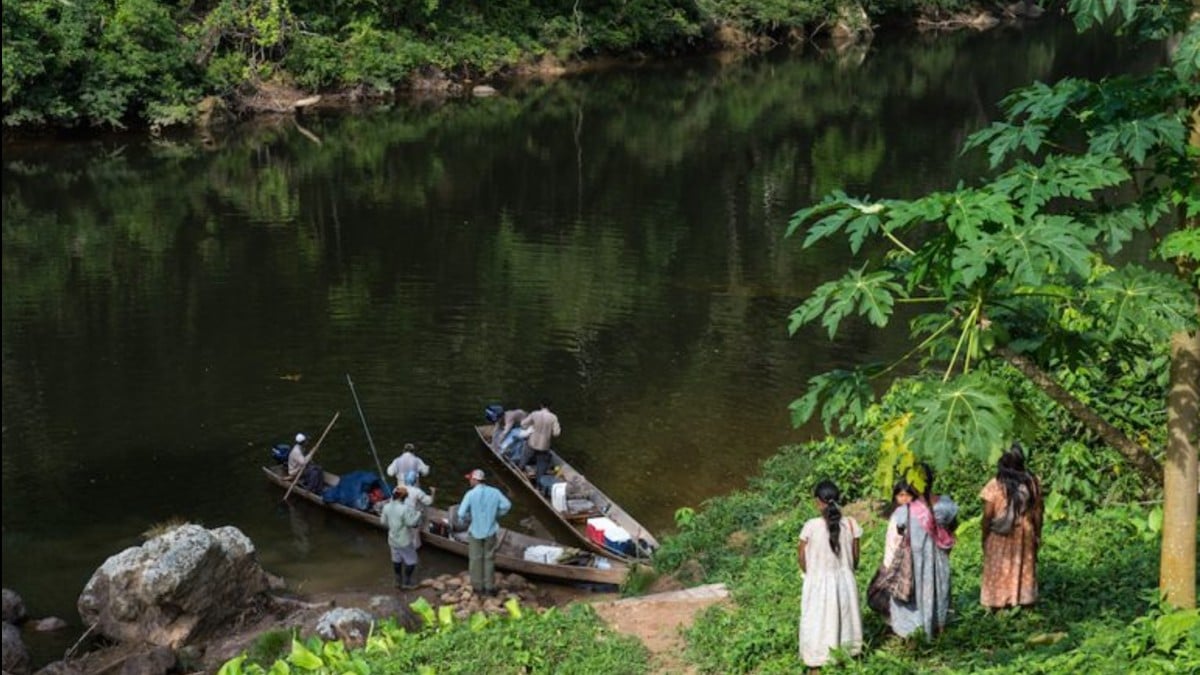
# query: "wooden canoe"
(587, 501)
(591, 568)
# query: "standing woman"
(928, 521)
(1012, 531)
(828, 554)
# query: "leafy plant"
(1021, 269)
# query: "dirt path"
(657, 620)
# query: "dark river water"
(613, 241)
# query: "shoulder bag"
(899, 577)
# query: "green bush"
(571, 641)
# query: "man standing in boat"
(481, 506)
(544, 425)
(408, 462)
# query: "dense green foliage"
(570, 641)
(148, 61)
(1097, 570)
(1032, 263)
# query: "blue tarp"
(352, 489)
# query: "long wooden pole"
(370, 441)
(310, 456)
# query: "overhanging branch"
(1141, 458)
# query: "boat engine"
(280, 453)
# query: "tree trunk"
(1141, 458)
(1181, 479)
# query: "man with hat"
(481, 506)
(406, 463)
(296, 458)
(401, 520)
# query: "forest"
(147, 63)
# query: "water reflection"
(612, 241)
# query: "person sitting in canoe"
(406, 462)
(297, 460)
(510, 421)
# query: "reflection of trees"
(617, 224)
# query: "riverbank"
(141, 64)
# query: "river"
(613, 241)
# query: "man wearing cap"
(402, 465)
(401, 519)
(482, 505)
(296, 458)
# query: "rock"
(1025, 9)
(48, 624)
(16, 656)
(212, 111)
(61, 668)
(175, 588)
(154, 661)
(307, 101)
(853, 25)
(14, 607)
(388, 606)
(348, 624)
(483, 90)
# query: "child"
(828, 555)
(878, 595)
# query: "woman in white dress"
(828, 554)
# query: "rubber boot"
(409, 572)
(398, 568)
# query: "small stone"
(48, 624)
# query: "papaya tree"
(1032, 267)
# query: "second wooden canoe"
(585, 502)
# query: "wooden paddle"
(309, 457)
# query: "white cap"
(300, 438)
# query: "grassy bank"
(148, 62)
(1098, 611)
(1098, 571)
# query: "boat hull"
(644, 542)
(510, 548)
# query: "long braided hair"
(1012, 475)
(829, 494)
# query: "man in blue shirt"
(481, 506)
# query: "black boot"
(409, 572)
(398, 568)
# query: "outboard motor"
(493, 412)
(280, 453)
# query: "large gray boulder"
(175, 588)
(351, 625)
(16, 656)
(14, 607)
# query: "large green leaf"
(970, 210)
(843, 396)
(970, 415)
(1142, 305)
(1076, 177)
(1138, 137)
(1181, 244)
(1117, 226)
(869, 294)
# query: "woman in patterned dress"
(1012, 532)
